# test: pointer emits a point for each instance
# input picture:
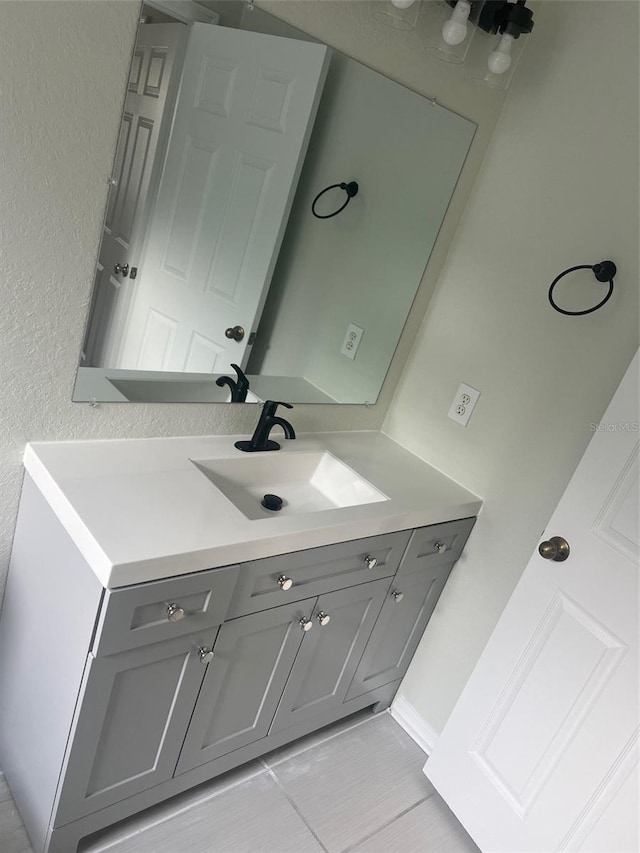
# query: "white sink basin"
(306, 482)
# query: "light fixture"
(508, 21)
(448, 27)
(454, 31)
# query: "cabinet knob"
(397, 595)
(440, 547)
(206, 655)
(323, 618)
(305, 624)
(371, 562)
(174, 612)
(284, 582)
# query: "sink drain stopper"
(272, 502)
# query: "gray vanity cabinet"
(253, 656)
(135, 708)
(404, 616)
(254, 659)
(153, 688)
(330, 652)
(412, 597)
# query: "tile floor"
(356, 787)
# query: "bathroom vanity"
(160, 627)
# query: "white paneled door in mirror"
(541, 752)
(242, 121)
(209, 226)
(153, 80)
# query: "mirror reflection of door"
(153, 77)
(206, 256)
(240, 130)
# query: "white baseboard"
(414, 725)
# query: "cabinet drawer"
(316, 572)
(136, 615)
(436, 545)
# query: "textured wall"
(62, 75)
(559, 187)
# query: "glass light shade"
(398, 14)
(448, 30)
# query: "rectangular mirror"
(273, 207)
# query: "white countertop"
(139, 510)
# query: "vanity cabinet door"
(330, 653)
(398, 631)
(135, 707)
(253, 657)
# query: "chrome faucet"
(268, 419)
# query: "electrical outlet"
(463, 404)
(352, 341)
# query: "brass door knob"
(234, 333)
(556, 549)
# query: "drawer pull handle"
(175, 613)
(323, 618)
(371, 562)
(305, 624)
(397, 595)
(206, 655)
(440, 547)
(284, 582)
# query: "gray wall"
(364, 265)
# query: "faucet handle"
(242, 379)
(270, 406)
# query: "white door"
(245, 110)
(152, 80)
(541, 751)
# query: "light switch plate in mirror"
(228, 135)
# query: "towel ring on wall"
(351, 190)
(604, 271)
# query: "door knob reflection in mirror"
(234, 333)
(556, 549)
(121, 269)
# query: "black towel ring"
(604, 271)
(351, 190)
